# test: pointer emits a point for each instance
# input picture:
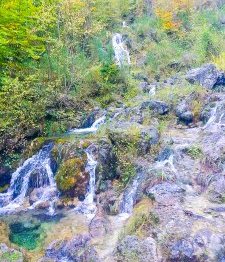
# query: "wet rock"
(131, 248)
(77, 249)
(5, 177)
(158, 107)
(99, 225)
(206, 76)
(9, 254)
(107, 200)
(107, 164)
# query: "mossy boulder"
(71, 178)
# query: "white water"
(215, 123)
(122, 56)
(91, 129)
(129, 196)
(18, 191)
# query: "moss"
(141, 221)
(71, 174)
(10, 257)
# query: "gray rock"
(131, 248)
(77, 249)
(107, 164)
(184, 114)
(148, 138)
(100, 224)
(206, 76)
(158, 107)
(162, 192)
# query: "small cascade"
(122, 55)
(217, 118)
(129, 196)
(167, 163)
(88, 206)
(91, 129)
(35, 171)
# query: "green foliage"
(141, 220)
(195, 152)
(70, 173)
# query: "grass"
(195, 152)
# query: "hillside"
(112, 124)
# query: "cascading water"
(91, 129)
(122, 55)
(217, 118)
(129, 196)
(37, 168)
(88, 206)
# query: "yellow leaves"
(219, 61)
(167, 19)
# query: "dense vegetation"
(57, 61)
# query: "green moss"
(69, 173)
(10, 257)
(141, 220)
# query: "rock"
(5, 177)
(107, 200)
(9, 254)
(216, 190)
(149, 136)
(99, 225)
(164, 154)
(107, 164)
(184, 114)
(77, 249)
(158, 107)
(204, 246)
(164, 191)
(206, 76)
(131, 248)
(143, 86)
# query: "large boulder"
(78, 249)
(131, 248)
(206, 76)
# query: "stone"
(76, 249)
(100, 224)
(184, 114)
(158, 107)
(162, 192)
(131, 248)
(206, 76)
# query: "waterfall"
(38, 166)
(122, 55)
(215, 121)
(91, 129)
(129, 197)
(88, 206)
